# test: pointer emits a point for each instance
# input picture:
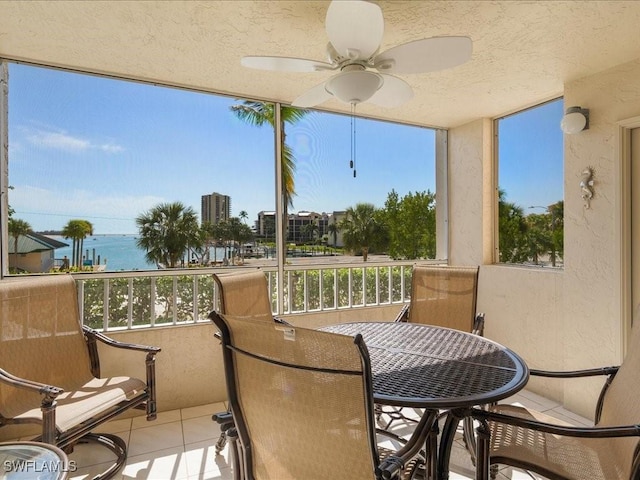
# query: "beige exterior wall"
(555, 319)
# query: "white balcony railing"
(139, 299)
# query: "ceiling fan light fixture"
(354, 86)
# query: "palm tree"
(332, 228)
(17, 228)
(243, 215)
(77, 230)
(260, 114)
(166, 231)
(360, 228)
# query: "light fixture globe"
(575, 120)
(354, 86)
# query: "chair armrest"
(49, 391)
(403, 314)
(90, 332)
(610, 372)
(589, 372)
(567, 431)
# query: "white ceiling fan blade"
(354, 28)
(394, 92)
(285, 64)
(312, 97)
(426, 55)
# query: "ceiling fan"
(355, 29)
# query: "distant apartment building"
(298, 227)
(215, 208)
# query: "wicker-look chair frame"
(288, 349)
(516, 436)
(58, 295)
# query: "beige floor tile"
(90, 472)
(202, 461)
(165, 464)
(199, 429)
(163, 417)
(157, 437)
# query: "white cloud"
(61, 140)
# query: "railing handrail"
(184, 300)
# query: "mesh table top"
(433, 367)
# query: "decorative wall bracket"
(586, 186)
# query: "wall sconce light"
(575, 120)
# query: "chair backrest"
(621, 405)
(244, 293)
(41, 338)
(444, 296)
(301, 399)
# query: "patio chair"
(241, 293)
(442, 296)
(303, 404)
(445, 297)
(50, 369)
(533, 441)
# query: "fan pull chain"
(352, 163)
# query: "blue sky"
(105, 150)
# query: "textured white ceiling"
(523, 51)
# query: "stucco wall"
(556, 319)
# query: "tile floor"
(180, 445)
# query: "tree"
(243, 215)
(167, 231)
(512, 230)
(237, 232)
(17, 228)
(310, 230)
(411, 223)
(262, 113)
(332, 228)
(77, 230)
(362, 230)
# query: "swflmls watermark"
(39, 466)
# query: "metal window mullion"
(281, 221)
(377, 285)
(4, 168)
(364, 286)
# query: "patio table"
(436, 368)
(26, 459)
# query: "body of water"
(119, 251)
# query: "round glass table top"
(32, 461)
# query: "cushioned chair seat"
(89, 400)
